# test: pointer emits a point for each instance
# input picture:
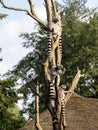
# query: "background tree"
(80, 36)
(8, 99)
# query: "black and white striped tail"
(52, 95)
(52, 91)
(59, 55)
(63, 113)
(60, 45)
(49, 46)
(59, 51)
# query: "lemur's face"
(63, 87)
(60, 69)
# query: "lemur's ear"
(55, 20)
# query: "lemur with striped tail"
(55, 72)
(55, 41)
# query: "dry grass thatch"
(81, 114)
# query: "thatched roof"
(81, 114)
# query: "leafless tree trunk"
(37, 122)
(54, 28)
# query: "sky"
(15, 24)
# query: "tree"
(8, 98)
(81, 48)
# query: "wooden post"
(37, 123)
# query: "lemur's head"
(60, 69)
(63, 87)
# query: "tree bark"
(37, 122)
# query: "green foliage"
(2, 16)
(80, 43)
(15, 111)
(8, 97)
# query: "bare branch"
(49, 12)
(39, 21)
(12, 8)
(31, 14)
(32, 8)
(54, 8)
(73, 86)
(46, 69)
(37, 123)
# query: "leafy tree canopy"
(8, 98)
(2, 16)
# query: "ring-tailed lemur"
(54, 36)
(55, 72)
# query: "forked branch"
(73, 86)
(48, 12)
(54, 8)
(32, 8)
